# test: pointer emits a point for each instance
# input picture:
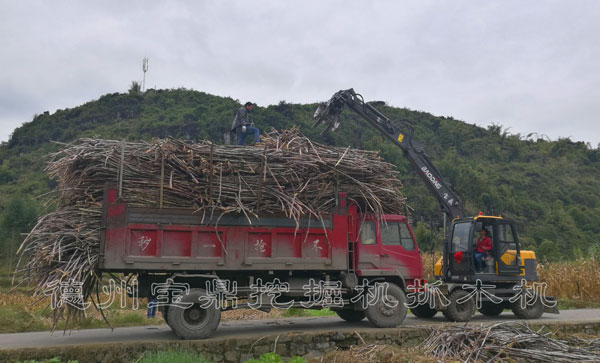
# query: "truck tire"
(423, 311)
(351, 315)
(390, 310)
(194, 322)
(165, 314)
(533, 311)
(456, 311)
(488, 308)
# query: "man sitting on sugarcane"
(243, 126)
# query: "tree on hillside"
(548, 251)
(493, 170)
(135, 88)
(424, 237)
(17, 218)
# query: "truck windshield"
(407, 241)
(460, 237)
(367, 233)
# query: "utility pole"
(144, 69)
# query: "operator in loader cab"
(483, 247)
(242, 124)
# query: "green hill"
(550, 187)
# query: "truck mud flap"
(551, 300)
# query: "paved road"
(248, 328)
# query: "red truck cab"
(387, 247)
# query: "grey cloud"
(529, 66)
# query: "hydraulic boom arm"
(329, 112)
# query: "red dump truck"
(194, 266)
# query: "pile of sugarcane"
(285, 174)
(507, 342)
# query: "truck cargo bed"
(174, 239)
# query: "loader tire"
(423, 311)
(194, 322)
(351, 315)
(530, 312)
(488, 308)
(459, 311)
(390, 310)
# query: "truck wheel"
(488, 308)
(165, 314)
(531, 311)
(194, 322)
(457, 311)
(390, 310)
(423, 311)
(351, 315)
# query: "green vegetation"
(51, 360)
(18, 216)
(549, 187)
(14, 319)
(275, 358)
(18, 317)
(178, 356)
(566, 304)
(21, 312)
(292, 312)
(184, 356)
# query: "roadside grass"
(179, 356)
(51, 360)
(15, 319)
(117, 318)
(22, 314)
(566, 304)
(276, 358)
(185, 356)
(296, 312)
(374, 353)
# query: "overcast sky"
(533, 66)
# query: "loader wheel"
(531, 311)
(194, 322)
(351, 315)
(488, 308)
(390, 309)
(459, 311)
(423, 311)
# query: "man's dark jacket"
(242, 118)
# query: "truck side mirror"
(478, 226)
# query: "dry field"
(577, 280)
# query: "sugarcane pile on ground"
(286, 174)
(507, 342)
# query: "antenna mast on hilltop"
(145, 69)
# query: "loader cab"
(503, 263)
